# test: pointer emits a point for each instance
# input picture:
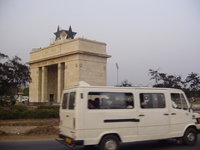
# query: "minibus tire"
(190, 137)
(109, 142)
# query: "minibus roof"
(82, 84)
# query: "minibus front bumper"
(68, 141)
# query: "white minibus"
(107, 116)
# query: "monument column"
(39, 87)
(61, 67)
(44, 84)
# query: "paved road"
(54, 145)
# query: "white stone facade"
(62, 64)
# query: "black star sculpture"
(57, 34)
(70, 33)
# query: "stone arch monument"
(65, 62)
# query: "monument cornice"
(68, 54)
(67, 48)
(68, 41)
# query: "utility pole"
(117, 72)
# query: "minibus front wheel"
(109, 142)
(190, 137)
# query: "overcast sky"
(140, 34)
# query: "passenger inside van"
(96, 103)
(129, 104)
(103, 100)
(142, 102)
(174, 104)
(93, 104)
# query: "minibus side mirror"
(190, 108)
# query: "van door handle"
(173, 113)
(166, 114)
(141, 115)
(67, 115)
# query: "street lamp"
(117, 72)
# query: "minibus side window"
(178, 101)
(110, 100)
(72, 100)
(64, 102)
(152, 100)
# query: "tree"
(171, 81)
(194, 80)
(155, 75)
(191, 85)
(164, 80)
(26, 91)
(13, 75)
(3, 56)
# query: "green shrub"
(28, 114)
(2, 114)
(43, 113)
(20, 108)
(10, 114)
(1, 108)
(14, 114)
(2, 102)
(53, 113)
(48, 107)
(40, 113)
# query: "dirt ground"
(28, 129)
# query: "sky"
(140, 34)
